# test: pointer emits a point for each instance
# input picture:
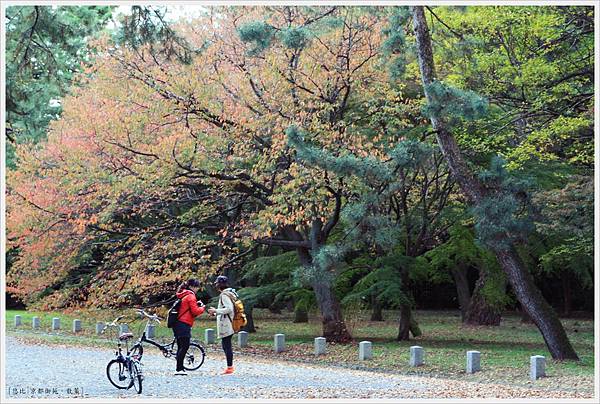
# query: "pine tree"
(45, 46)
(520, 278)
(368, 224)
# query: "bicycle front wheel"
(118, 374)
(194, 358)
(136, 376)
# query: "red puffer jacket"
(189, 309)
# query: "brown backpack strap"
(231, 297)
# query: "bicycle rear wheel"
(194, 358)
(118, 374)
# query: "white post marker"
(365, 350)
(320, 346)
(17, 320)
(538, 367)
(35, 322)
(55, 324)
(243, 339)
(150, 331)
(76, 325)
(473, 361)
(279, 343)
(209, 336)
(123, 328)
(416, 355)
(99, 327)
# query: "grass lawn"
(505, 350)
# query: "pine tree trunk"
(463, 293)
(480, 311)
(377, 310)
(404, 326)
(407, 324)
(334, 327)
(518, 275)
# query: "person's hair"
(189, 283)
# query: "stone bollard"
(55, 324)
(320, 345)
(76, 325)
(365, 350)
(416, 356)
(243, 339)
(209, 336)
(17, 320)
(538, 367)
(123, 328)
(279, 343)
(151, 331)
(473, 361)
(99, 327)
(35, 322)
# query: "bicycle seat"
(125, 336)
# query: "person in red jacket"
(188, 311)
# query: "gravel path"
(55, 371)
(68, 368)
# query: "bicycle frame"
(165, 348)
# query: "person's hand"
(212, 311)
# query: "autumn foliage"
(157, 169)
(292, 129)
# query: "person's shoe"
(228, 371)
(181, 373)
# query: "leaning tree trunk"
(480, 311)
(459, 273)
(334, 327)
(519, 277)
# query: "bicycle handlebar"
(152, 317)
(111, 324)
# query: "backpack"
(239, 315)
(173, 314)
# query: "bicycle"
(194, 357)
(125, 371)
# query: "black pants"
(226, 344)
(183, 334)
(183, 344)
